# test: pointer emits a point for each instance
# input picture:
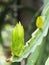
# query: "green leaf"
(47, 62)
(46, 1)
(45, 11)
(34, 57)
(35, 40)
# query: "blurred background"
(25, 11)
(13, 11)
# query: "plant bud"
(39, 22)
(17, 44)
